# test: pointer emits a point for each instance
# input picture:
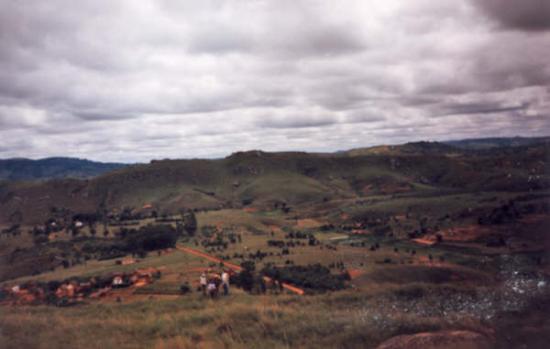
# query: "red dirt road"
(232, 266)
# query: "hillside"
(413, 148)
(267, 180)
(490, 143)
(419, 242)
(50, 168)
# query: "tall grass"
(343, 320)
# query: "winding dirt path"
(232, 266)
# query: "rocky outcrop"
(441, 339)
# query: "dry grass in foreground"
(341, 320)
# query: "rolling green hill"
(266, 180)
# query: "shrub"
(190, 223)
(245, 279)
(185, 288)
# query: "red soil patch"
(360, 232)
(425, 241)
(355, 273)
(250, 209)
(206, 256)
(401, 217)
(464, 234)
(468, 233)
(424, 260)
(275, 228)
(308, 223)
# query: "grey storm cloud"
(522, 15)
(296, 121)
(481, 108)
(136, 80)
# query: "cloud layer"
(136, 80)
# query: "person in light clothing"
(225, 282)
(202, 281)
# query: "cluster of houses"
(75, 290)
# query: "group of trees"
(503, 214)
(246, 279)
(134, 241)
(313, 277)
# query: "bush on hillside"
(503, 214)
(245, 279)
(313, 277)
(190, 223)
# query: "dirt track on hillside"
(232, 266)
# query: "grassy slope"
(239, 321)
(267, 177)
(434, 298)
(343, 320)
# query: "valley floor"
(464, 289)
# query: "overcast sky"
(138, 80)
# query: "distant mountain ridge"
(53, 168)
(266, 181)
(22, 169)
(449, 147)
(496, 142)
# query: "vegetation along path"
(232, 266)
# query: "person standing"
(225, 282)
(212, 289)
(203, 281)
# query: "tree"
(190, 223)
(246, 276)
(150, 237)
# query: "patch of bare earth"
(442, 339)
(464, 234)
(308, 223)
(355, 273)
(425, 241)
